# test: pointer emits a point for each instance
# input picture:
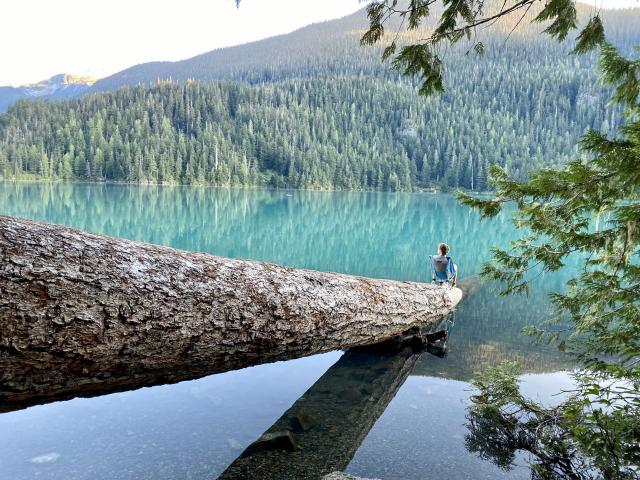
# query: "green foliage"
(592, 433)
(375, 12)
(419, 59)
(624, 74)
(562, 17)
(590, 208)
(591, 36)
(523, 106)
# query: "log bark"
(83, 314)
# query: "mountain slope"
(332, 48)
(57, 87)
(327, 46)
(332, 133)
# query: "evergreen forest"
(329, 117)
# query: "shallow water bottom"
(195, 429)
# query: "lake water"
(197, 429)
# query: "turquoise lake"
(196, 429)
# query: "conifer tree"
(590, 208)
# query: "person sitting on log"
(443, 270)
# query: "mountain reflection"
(386, 235)
(172, 432)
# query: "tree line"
(351, 133)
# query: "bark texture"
(83, 314)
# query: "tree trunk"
(83, 314)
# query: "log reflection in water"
(323, 429)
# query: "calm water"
(197, 429)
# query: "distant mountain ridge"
(326, 45)
(59, 86)
(332, 48)
(320, 49)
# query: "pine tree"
(589, 208)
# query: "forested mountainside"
(346, 133)
(322, 113)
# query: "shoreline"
(431, 191)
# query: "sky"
(41, 38)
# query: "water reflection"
(385, 235)
(191, 430)
(197, 429)
(323, 429)
(488, 330)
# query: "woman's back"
(442, 267)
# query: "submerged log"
(81, 314)
(324, 428)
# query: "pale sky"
(40, 38)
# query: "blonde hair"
(443, 249)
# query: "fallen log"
(83, 314)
